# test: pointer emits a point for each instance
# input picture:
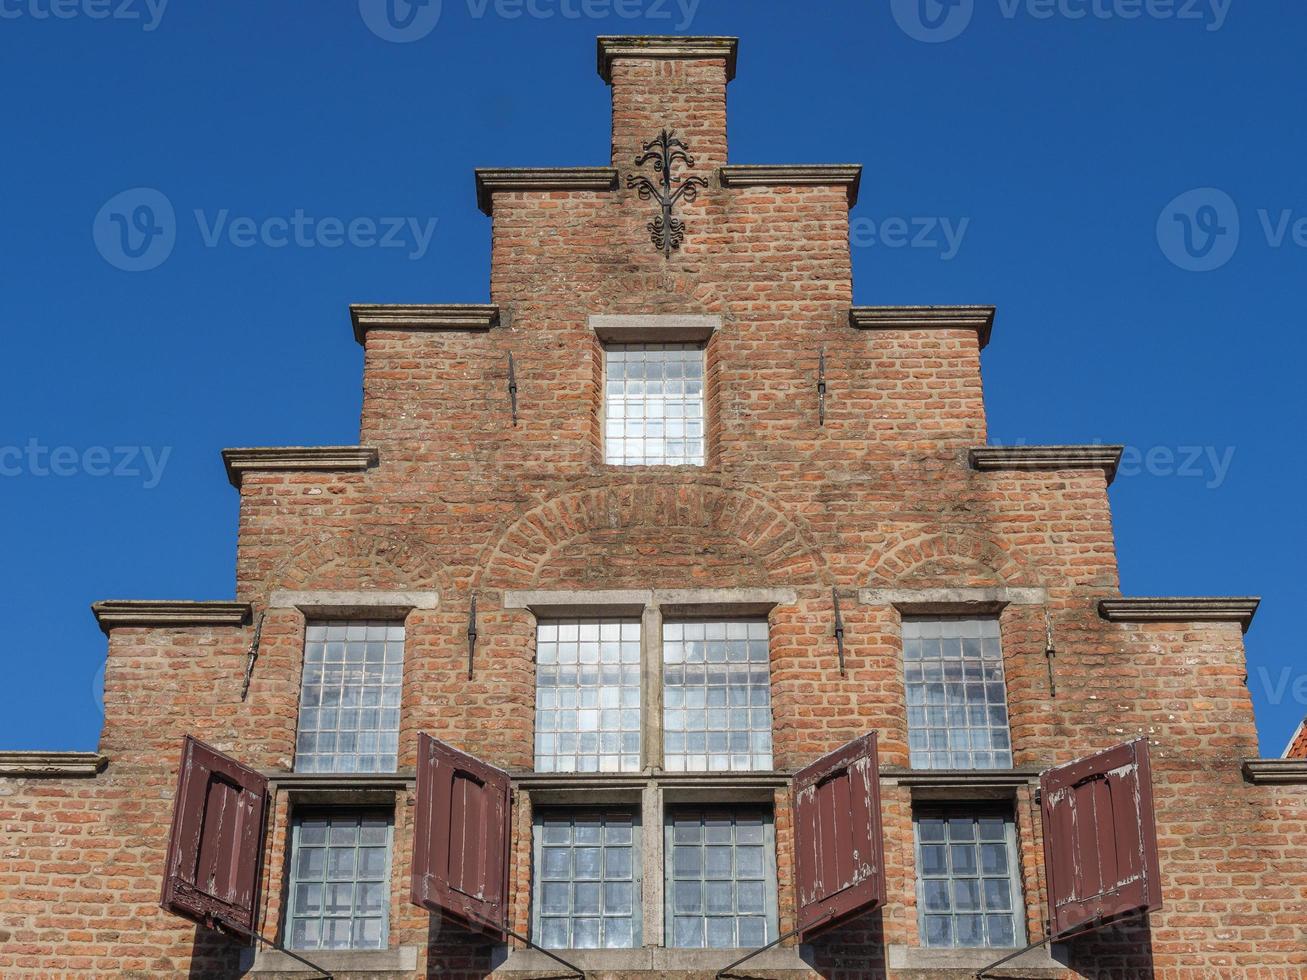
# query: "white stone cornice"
(296, 458)
(1181, 609)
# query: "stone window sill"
(1036, 964)
(375, 964)
(650, 959)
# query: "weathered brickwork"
(880, 497)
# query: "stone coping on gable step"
(1292, 772)
(296, 458)
(992, 458)
(977, 318)
(664, 47)
(169, 612)
(847, 175)
(421, 316)
(492, 179)
(51, 765)
(1181, 609)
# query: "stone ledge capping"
(51, 765)
(662, 48)
(296, 459)
(421, 317)
(940, 601)
(1283, 772)
(353, 603)
(489, 180)
(168, 612)
(340, 782)
(1040, 962)
(655, 960)
(977, 318)
(846, 175)
(1180, 609)
(634, 601)
(393, 961)
(989, 459)
(654, 328)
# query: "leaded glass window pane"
(587, 881)
(720, 877)
(653, 404)
(968, 888)
(957, 695)
(716, 696)
(340, 880)
(588, 695)
(350, 697)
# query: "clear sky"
(1034, 154)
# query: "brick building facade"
(661, 525)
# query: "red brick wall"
(880, 497)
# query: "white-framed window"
(588, 716)
(339, 879)
(654, 404)
(350, 696)
(586, 891)
(968, 885)
(957, 694)
(716, 696)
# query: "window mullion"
(651, 822)
(651, 673)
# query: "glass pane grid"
(350, 697)
(957, 695)
(588, 695)
(720, 879)
(716, 697)
(587, 892)
(966, 880)
(340, 881)
(653, 404)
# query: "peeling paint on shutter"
(461, 838)
(215, 852)
(1100, 840)
(839, 859)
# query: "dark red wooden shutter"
(215, 852)
(1100, 840)
(461, 838)
(838, 853)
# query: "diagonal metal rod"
(295, 956)
(980, 974)
(775, 942)
(557, 959)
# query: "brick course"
(881, 496)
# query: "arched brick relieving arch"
(361, 560)
(912, 554)
(777, 543)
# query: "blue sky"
(1039, 152)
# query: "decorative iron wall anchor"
(821, 387)
(512, 386)
(666, 230)
(471, 635)
(252, 655)
(839, 628)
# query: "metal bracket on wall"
(253, 655)
(471, 635)
(821, 387)
(839, 628)
(1049, 653)
(512, 386)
